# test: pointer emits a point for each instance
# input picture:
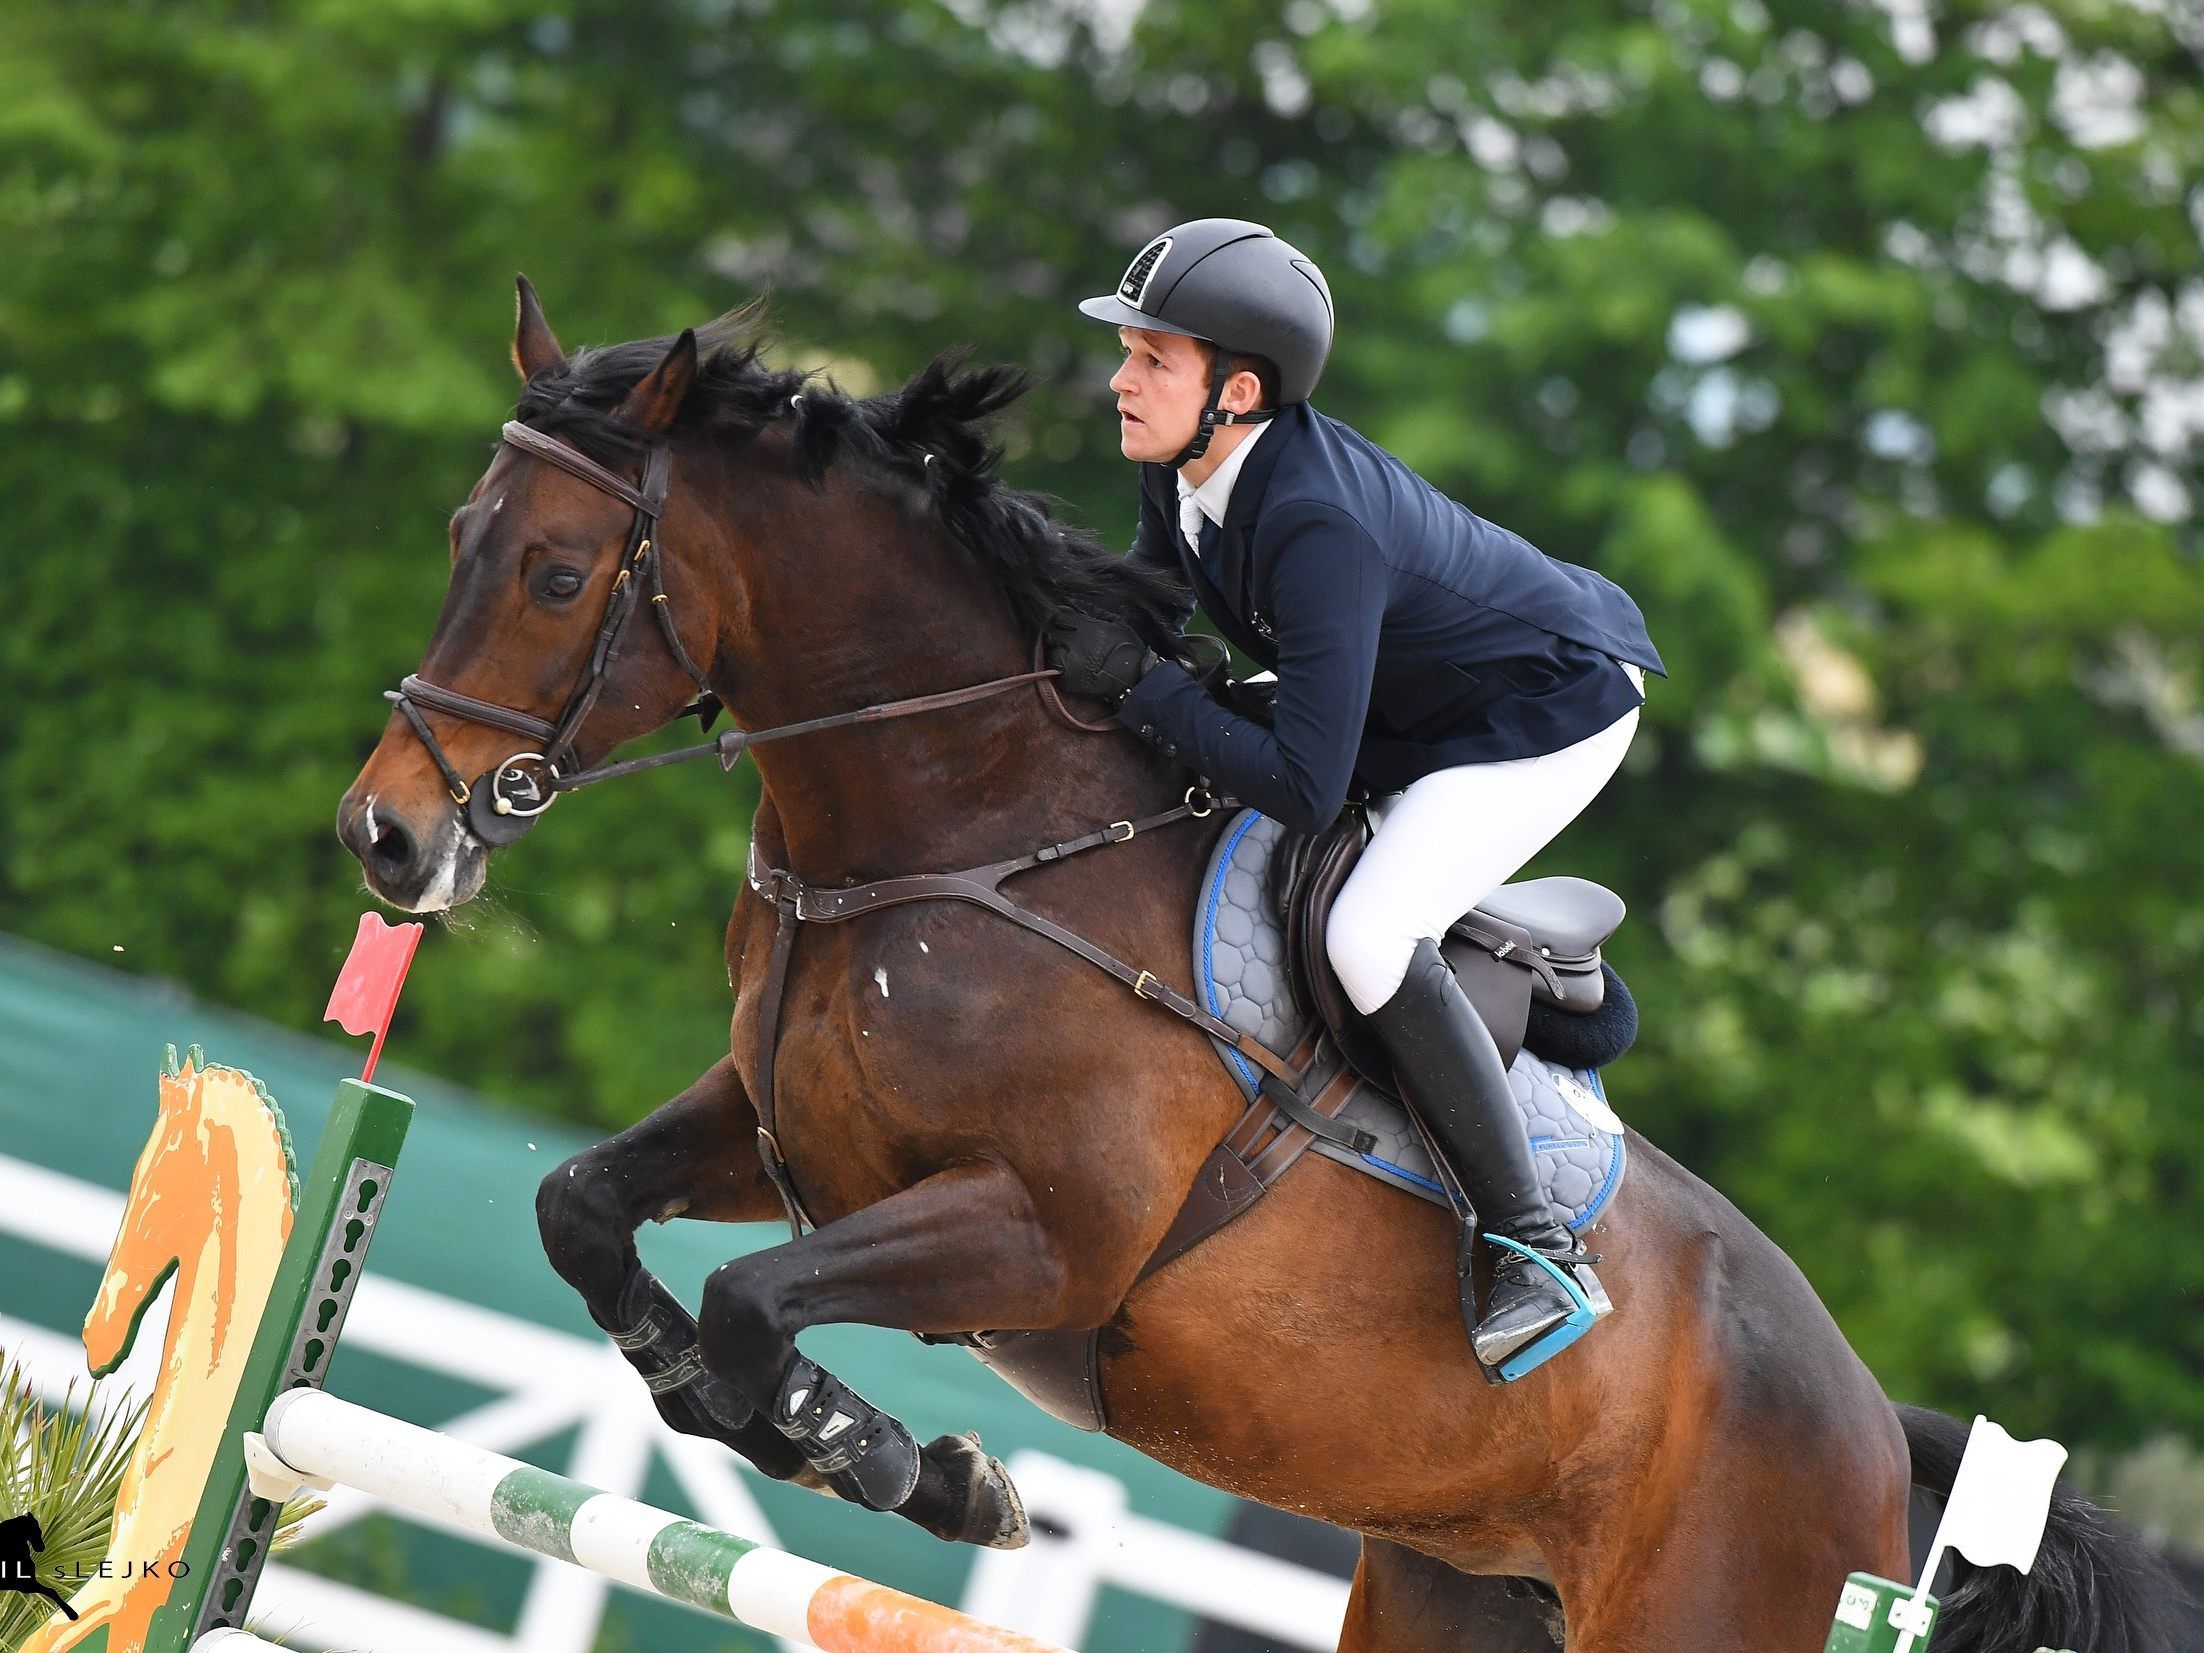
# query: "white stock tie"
(1190, 521)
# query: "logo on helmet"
(1142, 270)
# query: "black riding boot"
(1450, 1073)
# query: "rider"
(1482, 691)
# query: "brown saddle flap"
(1314, 870)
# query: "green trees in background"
(1863, 343)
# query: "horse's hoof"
(1009, 1529)
(967, 1497)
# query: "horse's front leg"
(695, 1156)
(961, 1251)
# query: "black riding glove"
(1253, 698)
(1102, 659)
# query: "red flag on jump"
(367, 990)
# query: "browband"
(650, 499)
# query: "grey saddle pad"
(1240, 967)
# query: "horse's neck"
(944, 790)
(931, 791)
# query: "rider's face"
(1160, 385)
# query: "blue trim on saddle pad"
(1239, 960)
(1602, 1145)
(1205, 973)
(1402, 1172)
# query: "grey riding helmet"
(1232, 284)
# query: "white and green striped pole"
(317, 1438)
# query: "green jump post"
(340, 1200)
(1872, 1616)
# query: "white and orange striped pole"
(319, 1439)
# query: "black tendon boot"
(1450, 1073)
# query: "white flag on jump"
(2001, 1498)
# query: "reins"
(728, 746)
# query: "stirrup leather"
(1588, 1307)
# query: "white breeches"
(1449, 840)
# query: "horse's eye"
(561, 583)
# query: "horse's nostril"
(392, 846)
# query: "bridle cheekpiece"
(505, 800)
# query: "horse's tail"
(2095, 1587)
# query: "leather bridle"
(505, 800)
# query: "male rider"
(1480, 690)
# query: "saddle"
(1527, 956)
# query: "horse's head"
(825, 561)
(555, 642)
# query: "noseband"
(505, 800)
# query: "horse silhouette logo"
(20, 1536)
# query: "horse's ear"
(651, 405)
(535, 347)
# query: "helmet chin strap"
(1212, 415)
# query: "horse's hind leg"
(693, 1157)
(1744, 1547)
(1405, 1602)
(961, 1251)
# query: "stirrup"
(1587, 1310)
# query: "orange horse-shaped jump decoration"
(202, 1206)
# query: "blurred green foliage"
(1863, 343)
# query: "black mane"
(927, 435)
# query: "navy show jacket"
(1408, 633)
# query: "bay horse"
(989, 1134)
